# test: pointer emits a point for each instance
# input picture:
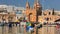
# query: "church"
(36, 14)
(33, 13)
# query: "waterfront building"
(49, 16)
(10, 13)
(19, 11)
(36, 14)
(33, 13)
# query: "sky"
(46, 4)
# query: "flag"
(28, 23)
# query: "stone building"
(33, 13)
(36, 14)
(10, 13)
(5, 16)
(49, 16)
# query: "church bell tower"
(27, 5)
(38, 8)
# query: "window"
(49, 13)
(50, 19)
(44, 14)
(46, 19)
(19, 12)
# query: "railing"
(49, 29)
(17, 28)
(14, 28)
